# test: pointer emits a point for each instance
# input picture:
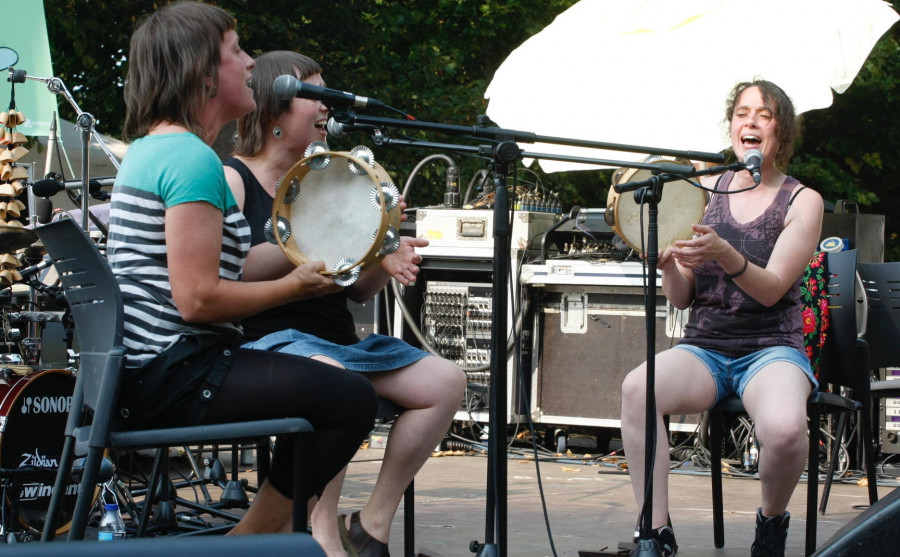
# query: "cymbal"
(14, 237)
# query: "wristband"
(741, 272)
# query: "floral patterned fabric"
(816, 317)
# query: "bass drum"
(682, 205)
(33, 414)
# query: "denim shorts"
(732, 374)
(373, 353)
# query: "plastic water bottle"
(112, 527)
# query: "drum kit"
(34, 398)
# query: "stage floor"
(590, 507)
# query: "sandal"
(357, 542)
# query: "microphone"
(337, 129)
(37, 316)
(35, 269)
(287, 87)
(753, 160)
(451, 188)
(51, 186)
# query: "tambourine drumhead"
(334, 213)
(682, 205)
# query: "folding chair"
(881, 282)
(845, 363)
(95, 301)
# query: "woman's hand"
(309, 282)
(403, 264)
(705, 245)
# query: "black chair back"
(95, 300)
(882, 286)
(843, 363)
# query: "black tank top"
(326, 317)
(723, 317)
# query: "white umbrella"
(656, 72)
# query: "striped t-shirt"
(162, 171)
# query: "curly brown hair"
(787, 124)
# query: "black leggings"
(339, 404)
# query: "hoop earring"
(276, 131)
(213, 92)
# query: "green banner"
(24, 46)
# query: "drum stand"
(9, 505)
(650, 195)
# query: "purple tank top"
(723, 317)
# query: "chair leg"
(150, 497)
(716, 432)
(301, 480)
(409, 520)
(867, 438)
(60, 485)
(812, 479)
(85, 500)
(832, 464)
(263, 460)
(234, 495)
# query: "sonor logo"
(47, 405)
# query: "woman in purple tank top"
(739, 275)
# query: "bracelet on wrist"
(741, 272)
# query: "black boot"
(771, 535)
(664, 536)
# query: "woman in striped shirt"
(177, 245)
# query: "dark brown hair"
(787, 125)
(253, 127)
(174, 52)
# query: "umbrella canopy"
(656, 73)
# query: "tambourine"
(682, 206)
(338, 207)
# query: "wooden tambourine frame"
(339, 208)
(682, 205)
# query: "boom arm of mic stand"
(502, 134)
(56, 86)
(668, 173)
(85, 122)
(485, 151)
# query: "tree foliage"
(435, 59)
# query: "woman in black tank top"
(739, 275)
(271, 140)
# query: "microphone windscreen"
(46, 187)
(284, 87)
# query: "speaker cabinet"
(587, 338)
(872, 532)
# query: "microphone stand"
(503, 152)
(85, 122)
(650, 192)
